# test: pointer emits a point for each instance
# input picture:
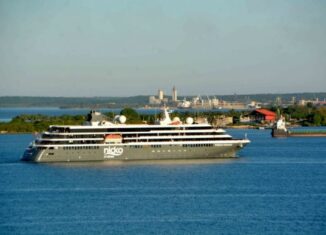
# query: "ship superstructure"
(102, 140)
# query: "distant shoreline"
(138, 101)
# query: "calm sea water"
(276, 186)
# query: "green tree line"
(37, 123)
(304, 115)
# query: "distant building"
(222, 121)
(262, 115)
(254, 105)
(215, 102)
(174, 95)
(315, 102)
(245, 119)
(165, 100)
(302, 102)
(278, 101)
(201, 120)
(160, 95)
(154, 100)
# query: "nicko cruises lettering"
(112, 152)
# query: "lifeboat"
(113, 138)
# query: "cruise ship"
(102, 140)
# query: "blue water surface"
(276, 186)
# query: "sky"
(135, 47)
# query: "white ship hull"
(134, 152)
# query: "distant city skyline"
(80, 48)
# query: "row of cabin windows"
(197, 145)
(41, 148)
(135, 146)
(172, 134)
(184, 145)
(80, 147)
(54, 136)
(146, 128)
(133, 141)
(69, 142)
(174, 140)
(127, 135)
(156, 146)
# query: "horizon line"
(234, 94)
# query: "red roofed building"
(263, 115)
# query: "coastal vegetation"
(27, 123)
(300, 115)
(304, 115)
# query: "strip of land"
(295, 116)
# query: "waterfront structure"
(245, 119)
(222, 121)
(101, 140)
(154, 101)
(185, 104)
(201, 103)
(315, 102)
(254, 105)
(262, 115)
(159, 99)
(279, 130)
(215, 103)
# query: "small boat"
(279, 130)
